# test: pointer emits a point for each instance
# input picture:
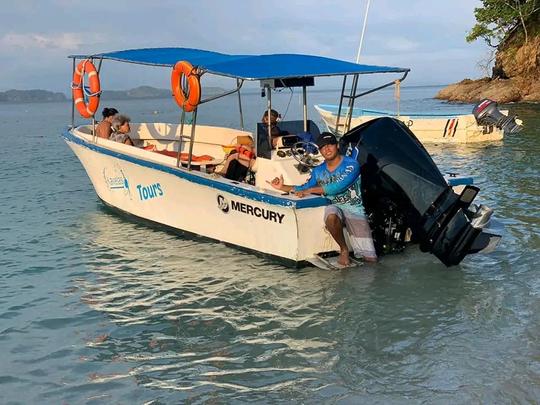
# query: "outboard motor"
(408, 200)
(487, 113)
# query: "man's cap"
(326, 138)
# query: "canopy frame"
(252, 68)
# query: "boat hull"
(189, 201)
(428, 129)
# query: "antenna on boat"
(363, 31)
(352, 96)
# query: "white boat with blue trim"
(165, 176)
(430, 127)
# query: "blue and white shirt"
(341, 186)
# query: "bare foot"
(344, 259)
(370, 259)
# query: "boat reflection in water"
(199, 319)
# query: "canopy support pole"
(336, 129)
(304, 100)
(192, 138)
(72, 100)
(180, 137)
(238, 85)
(94, 116)
(353, 96)
(269, 108)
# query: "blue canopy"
(248, 67)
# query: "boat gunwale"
(420, 115)
(288, 201)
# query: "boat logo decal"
(248, 209)
(116, 179)
(149, 191)
(450, 127)
(223, 204)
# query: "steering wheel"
(306, 153)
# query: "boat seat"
(196, 160)
(287, 127)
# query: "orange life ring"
(86, 67)
(189, 98)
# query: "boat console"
(281, 161)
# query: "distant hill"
(142, 92)
(30, 96)
(137, 92)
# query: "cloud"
(67, 41)
(400, 44)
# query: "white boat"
(428, 127)
(173, 187)
(485, 124)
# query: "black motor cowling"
(487, 113)
(408, 200)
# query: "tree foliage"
(496, 19)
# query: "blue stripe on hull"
(360, 112)
(184, 174)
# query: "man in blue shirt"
(338, 178)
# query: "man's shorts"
(358, 229)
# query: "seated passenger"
(103, 129)
(242, 157)
(120, 129)
(274, 129)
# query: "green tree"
(498, 18)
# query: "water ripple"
(98, 309)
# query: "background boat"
(430, 127)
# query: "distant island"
(30, 96)
(141, 92)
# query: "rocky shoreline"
(500, 90)
(516, 77)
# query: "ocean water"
(96, 309)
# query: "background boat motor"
(407, 198)
(487, 113)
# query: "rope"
(85, 89)
(397, 94)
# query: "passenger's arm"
(312, 190)
(310, 187)
(277, 183)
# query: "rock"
(500, 90)
(516, 75)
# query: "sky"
(428, 36)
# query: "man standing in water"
(338, 178)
